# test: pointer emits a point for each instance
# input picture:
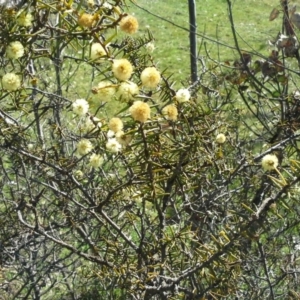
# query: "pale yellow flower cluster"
(84, 146)
(122, 69)
(97, 52)
(127, 90)
(113, 145)
(115, 124)
(116, 136)
(269, 162)
(15, 50)
(86, 20)
(91, 2)
(220, 138)
(11, 82)
(183, 95)
(140, 111)
(150, 77)
(110, 134)
(129, 24)
(24, 19)
(96, 160)
(150, 47)
(106, 90)
(170, 112)
(80, 107)
(107, 5)
(123, 139)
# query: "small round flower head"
(220, 138)
(183, 95)
(15, 50)
(86, 20)
(123, 139)
(105, 90)
(96, 160)
(150, 47)
(115, 124)
(170, 112)
(129, 24)
(97, 51)
(25, 19)
(110, 134)
(11, 82)
(107, 5)
(84, 146)
(140, 111)
(80, 107)
(127, 90)
(150, 77)
(122, 69)
(113, 145)
(91, 3)
(269, 162)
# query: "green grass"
(251, 19)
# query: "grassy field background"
(172, 43)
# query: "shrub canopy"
(116, 186)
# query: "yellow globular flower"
(80, 107)
(96, 160)
(140, 111)
(123, 139)
(97, 51)
(127, 90)
(183, 95)
(11, 82)
(122, 69)
(84, 146)
(105, 90)
(107, 5)
(86, 20)
(221, 138)
(15, 50)
(150, 47)
(170, 112)
(91, 3)
(269, 162)
(150, 77)
(113, 145)
(115, 124)
(25, 19)
(129, 24)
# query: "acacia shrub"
(169, 198)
